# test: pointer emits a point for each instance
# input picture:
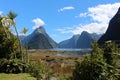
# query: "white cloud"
(91, 28)
(100, 16)
(103, 13)
(66, 8)
(0, 12)
(65, 30)
(81, 15)
(38, 22)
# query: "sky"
(61, 18)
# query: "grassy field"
(22, 76)
(58, 64)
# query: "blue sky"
(62, 18)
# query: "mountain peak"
(39, 39)
(40, 30)
(85, 40)
(84, 32)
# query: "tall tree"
(24, 31)
(12, 16)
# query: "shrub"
(13, 66)
(111, 53)
(39, 70)
(97, 66)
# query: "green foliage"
(39, 70)
(24, 31)
(97, 66)
(12, 66)
(7, 45)
(63, 77)
(8, 42)
(111, 53)
(12, 15)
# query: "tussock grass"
(58, 64)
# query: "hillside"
(113, 30)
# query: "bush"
(97, 66)
(90, 70)
(39, 70)
(13, 66)
(111, 53)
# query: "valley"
(59, 64)
(80, 45)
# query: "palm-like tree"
(12, 16)
(24, 31)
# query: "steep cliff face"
(80, 41)
(85, 40)
(39, 39)
(113, 30)
(70, 43)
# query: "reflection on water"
(71, 52)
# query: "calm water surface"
(71, 52)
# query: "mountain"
(21, 37)
(113, 30)
(39, 39)
(70, 43)
(80, 41)
(85, 40)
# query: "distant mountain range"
(69, 43)
(113, 30)
(39, 39)
(80, 41)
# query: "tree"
(12, 16)
(24, 31)
(9, 63)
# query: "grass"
(58, 64)
(21, 76)
(62, 76)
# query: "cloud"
(65, 30)
(100, 16)
(91, 28)
(81, 15)
(103, 13)
(0, 12)
(38, 22)
(66, 8)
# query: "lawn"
(21, 76)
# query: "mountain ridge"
(39, 39)
(113, 29)
(77, 41)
